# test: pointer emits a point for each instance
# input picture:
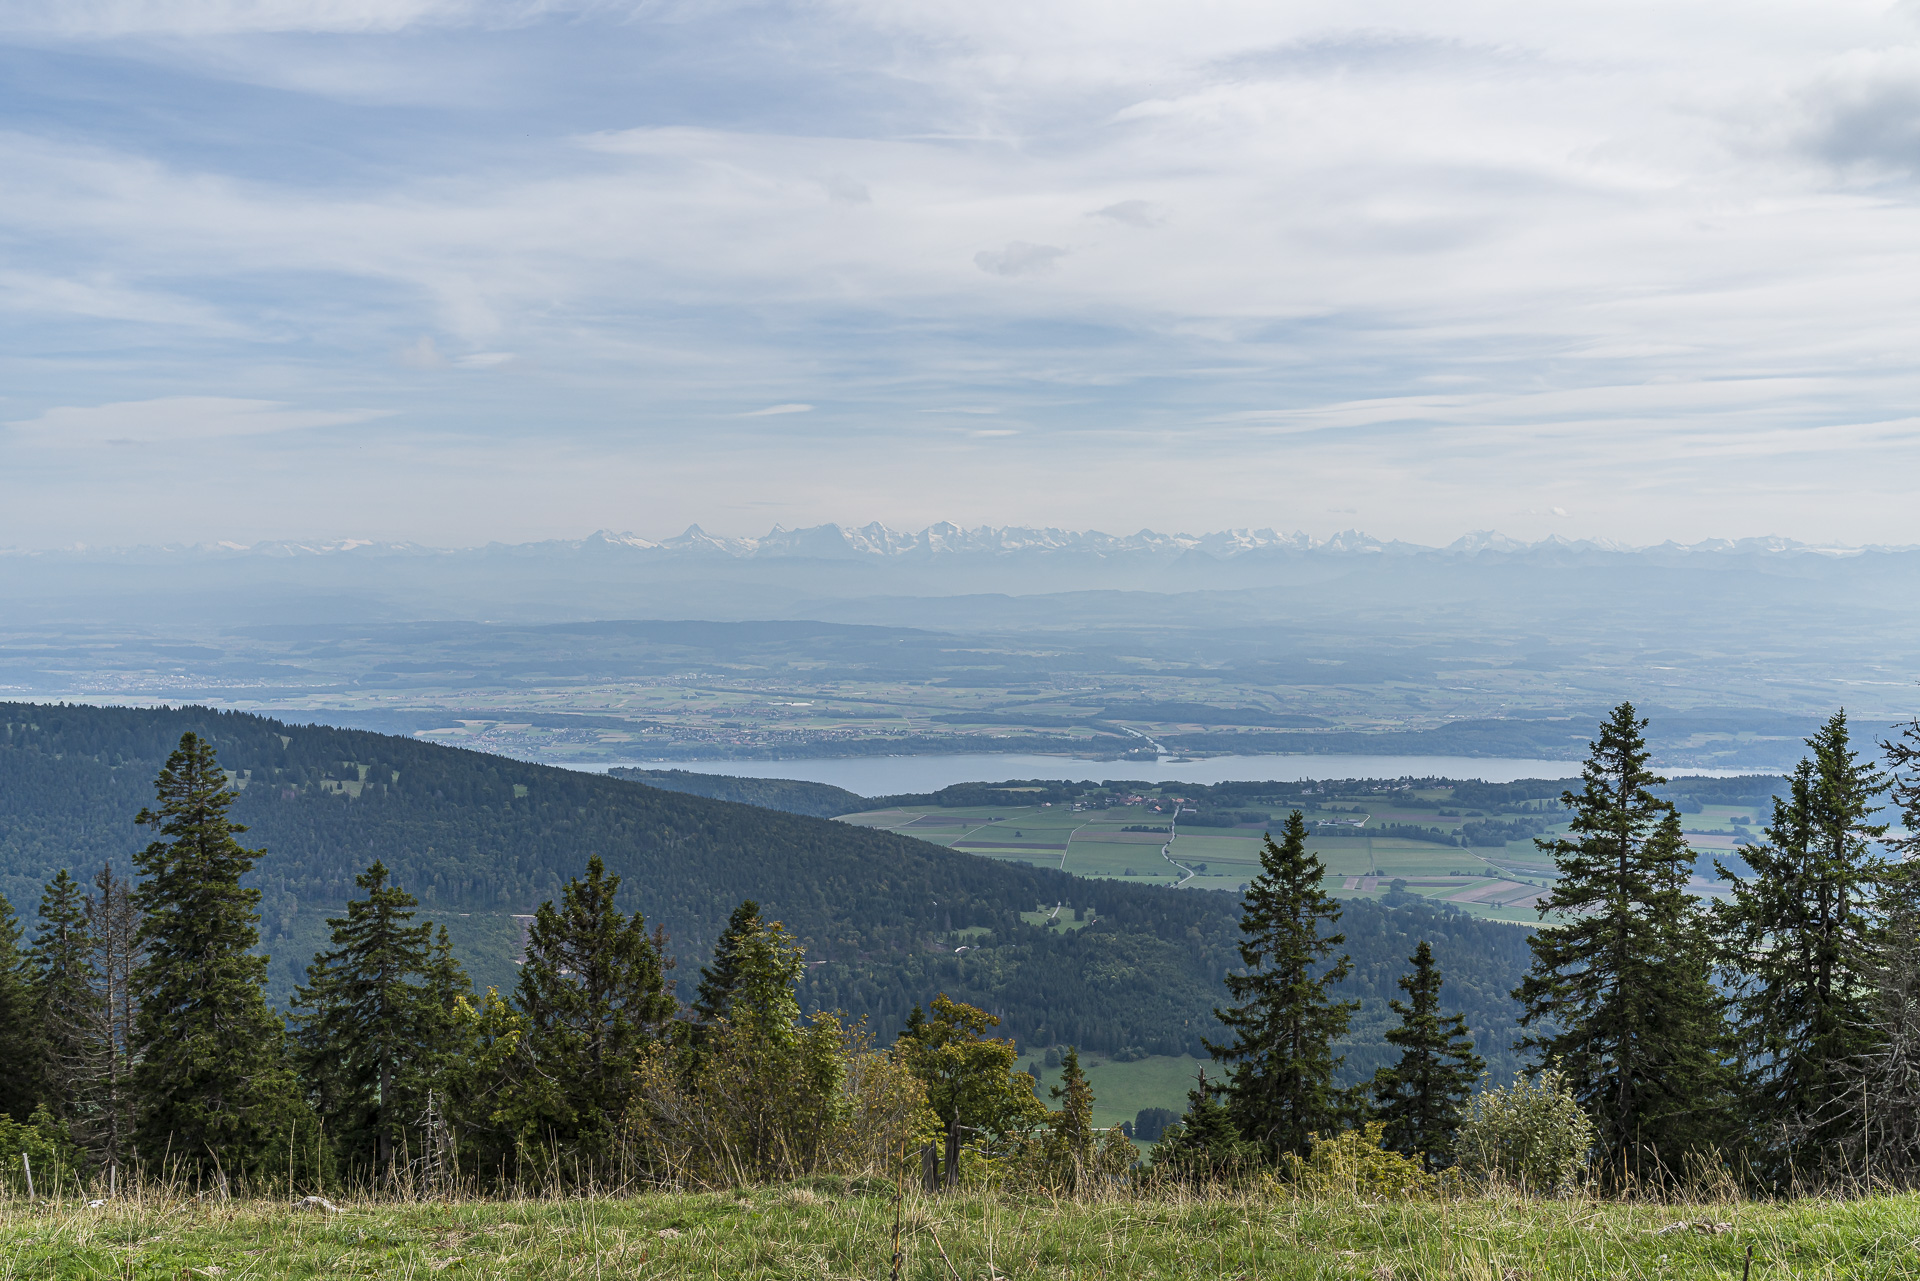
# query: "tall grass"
(845, 1228)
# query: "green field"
(1352, 835)
(1091, 841)
(1120, 1090)
(836, 1228)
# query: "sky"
(457, 271)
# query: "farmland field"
(1375, 839)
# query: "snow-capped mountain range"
(875, 540)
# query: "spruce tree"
(1203, 1146)
(67, 1002)
(1280, 1091)
(1620, 993)
(370, 1026)
(1421, 1098)
(19, 1029)
(713, 998)
(593, 993)
(212, 1084)
(1801, 937)
(1071, 1143)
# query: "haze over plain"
(454, 272)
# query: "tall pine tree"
(19, 1030)
(1422, 1096)
(1280, 1090)
(212, 1082)
(1071, 1140)
(66, 999)
(720, 980)
(1801, 937)
(593, 992)
(115, 926)
(371, 1027)
(1620, 993)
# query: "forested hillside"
(881, 914)
(790, 795)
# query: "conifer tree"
(1072, 1138)
(1203, 1146)
(1801, 937)
(371, 1025)
(713, 998)
(593, 993)
(212, 1083)
(114, 924)
(1620, 992)
(19, 1039)
(1280, 1091)
(66, 999)
(1422, 1097)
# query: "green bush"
(56, 1162)
(1531, 1134)
(1353, 1164)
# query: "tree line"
(137, 1036)
(1771, 1035)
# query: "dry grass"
(834, 1229)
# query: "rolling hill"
(482, 839)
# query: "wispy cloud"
(1252, 242)
(175, 419)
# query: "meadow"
(849, 1229)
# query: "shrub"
(56, 1163)
(1353, 1164)
(1531, 1134)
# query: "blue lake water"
(893, 775)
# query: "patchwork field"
(1369, 849)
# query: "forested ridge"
(879, 914)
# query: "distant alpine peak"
(944, 539)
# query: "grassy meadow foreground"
(835, 1230)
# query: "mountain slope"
(483, 838)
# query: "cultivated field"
(836, 1229)
(1351, 835)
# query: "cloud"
(106, 19)
(844, 190)
(175, 419)
(771, 410)
(1135, 213)
(1864, 109)
(424, 354)
(1018, 258)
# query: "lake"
(895, 775)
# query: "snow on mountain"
(944, 539)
